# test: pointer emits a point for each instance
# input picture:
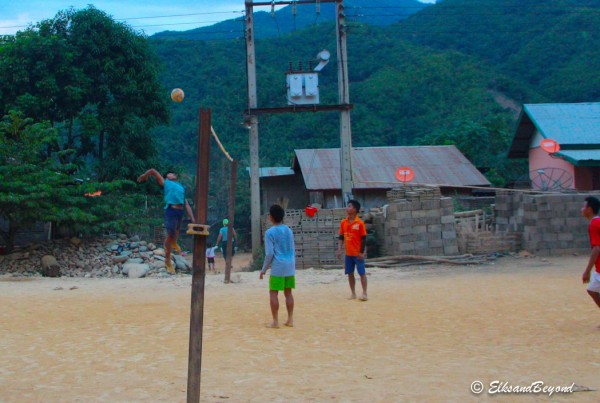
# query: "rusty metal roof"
(375, 167)
(274, 171)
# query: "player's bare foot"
(364, 297)
(170, 267)
(289, 323)
(273, 325)
(352, 296)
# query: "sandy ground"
(424, 335)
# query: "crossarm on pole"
(198, 229)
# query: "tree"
(37, 187)
(484, 144)
(34, 186)
(95, 80)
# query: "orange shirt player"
(353, 235)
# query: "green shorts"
(277, 283)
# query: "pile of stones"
(121, 256)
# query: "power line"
(440, 11)
(160, 16)
(469, 14)
(442, 6)
(175, 23)
(181, 15)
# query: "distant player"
(280, 258)
(210, 257)
(353, 234)
(222, 239)
(590, 211)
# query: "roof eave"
(519, 147)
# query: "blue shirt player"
(175, 203)
(280, 257)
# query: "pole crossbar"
(299, 108)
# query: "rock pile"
(119, 257)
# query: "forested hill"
(290, 19)
(453, 73)
(552, 45)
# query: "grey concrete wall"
(551, 223)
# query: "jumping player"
(175, 203)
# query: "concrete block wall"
(315, 238)
(551, 224)
(489, 242)
(417, 221)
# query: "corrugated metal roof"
(275, 171)
(571, 125)
(581, 157)
(442, 165)
(567, 123)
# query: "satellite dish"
(550, 179)
(550, 146)
(323, 57)
(405, 174)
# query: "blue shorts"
(352, 261)
(173, 219)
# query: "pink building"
(576, 128)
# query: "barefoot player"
(353, 234)
(279, 256)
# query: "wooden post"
(199, 260)
(229, 248)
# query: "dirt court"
(425, 335)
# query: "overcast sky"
(174, 15)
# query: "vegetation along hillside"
(455, 72)
(552, 45)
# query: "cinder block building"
(314, 176)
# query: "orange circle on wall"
(550, 146)
(405, 174)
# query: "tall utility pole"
(253, 111)
(344, 99)
(253, 123)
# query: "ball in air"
(177, 95)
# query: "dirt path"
(424, 335)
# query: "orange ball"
(177, 95)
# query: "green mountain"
(453, 73)
(552, 45)
(291, 19)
